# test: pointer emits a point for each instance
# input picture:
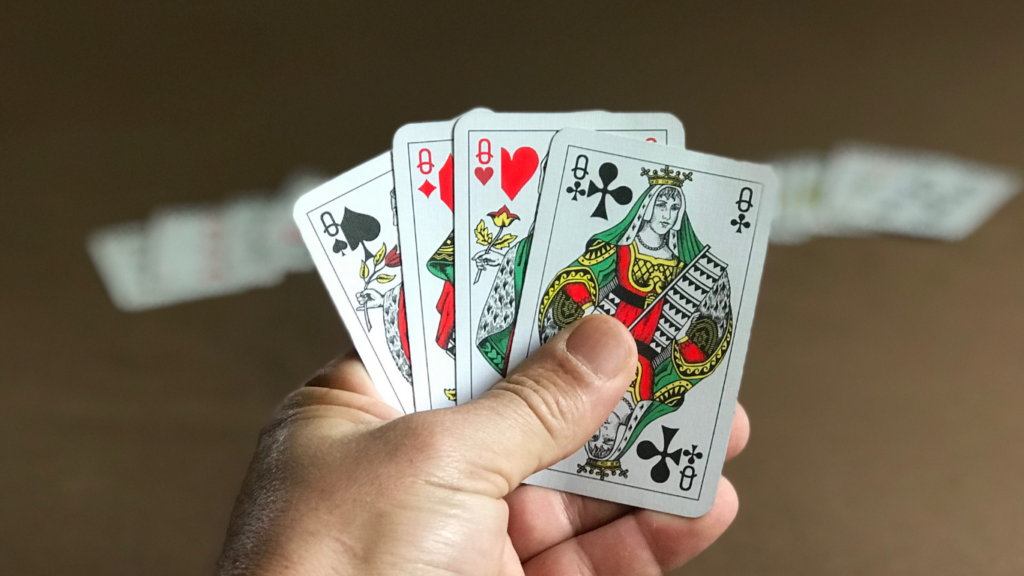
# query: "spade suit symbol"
(358, 228)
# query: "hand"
(341, 485)
(486, 258)
(369, 298)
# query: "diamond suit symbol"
(427, 188)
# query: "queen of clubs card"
(655, 276)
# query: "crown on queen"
(666, 176)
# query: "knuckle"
(285, 425)
(280, 430)
(545, 396)
(300, 398)
(418, 437)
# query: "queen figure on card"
(655, 276)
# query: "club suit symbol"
(608, 172)
(647, 450)
(740, 222)
(743, 204)
(576, 190)
(689, 473)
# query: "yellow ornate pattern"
(568, 276)
(705, 368)
(634, 388)
(597, 252)
(668, 176)
(446, 251)
(672, 395)
(602, 468)
(649, 274)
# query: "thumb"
(547, 408)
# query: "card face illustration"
(499, 165)
(422, 155)
(672, 244)
(349, 225)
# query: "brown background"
(884, 375)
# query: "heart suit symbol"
(517, 169)
(484, 174)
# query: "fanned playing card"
(498, 169)
(671, 243)
(424, 170)
(350, 228)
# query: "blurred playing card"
(799, 211)
(287, 251)
(920, 194)
(117, 253)
(204, 251)
(188, 253)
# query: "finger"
(510, 564)
(347, 373)
(644, 543)
(740, 433)
(547, 408)
(539, 518)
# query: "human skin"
(340, 485)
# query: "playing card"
(195, 252)
(422, 156)
(913, 193)
(672, 244)
(350, 228)
(498, 165)
(799, 213)
(119, 252)
(188, 253)
(287, 252)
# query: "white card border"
(418, 133)
(367, 172)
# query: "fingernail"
(602, 345)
